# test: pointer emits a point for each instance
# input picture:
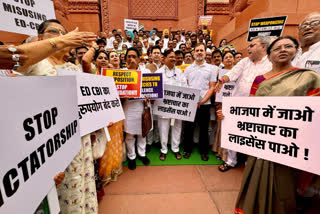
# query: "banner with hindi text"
(98, 101)
(227, 88)
(177, 103)
(279, 129)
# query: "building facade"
(230, 17)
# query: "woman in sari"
(221, 154)
(98, 57)
(268, 187)
(110, 166)
(77, 193)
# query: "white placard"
(280, 129)
(98, 101)
(24, 16)
(227, 88)
(40, 136)
(178, 103)
(130, 24)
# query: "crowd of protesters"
(267, 187)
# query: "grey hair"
(266, 39)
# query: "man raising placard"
(243, 74)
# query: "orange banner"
(205, 20)
(183, 67)
(128, 82)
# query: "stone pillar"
(105, 15)
(84, 14)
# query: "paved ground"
(173, 189)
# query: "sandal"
(162, 156)
(225, 167)
(186, 155)
(177, 155)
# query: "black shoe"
(204, 157)
(132, 164)
(144, 160)
(186, 155)
(148, 148)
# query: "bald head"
(309, 30)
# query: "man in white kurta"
(308, 55)
(171, 76)
(153, 136)
(133, 117)
(244, 73)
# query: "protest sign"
(178, 103)
(39, 138)
(182, 67)
(227, 88)
(130, 24)
(141, 27)
(121, 52)
(98, 101)
(279, 129)
(25, 16)
(205, 20)
(128, 82)
(152, 86)
(271, 26)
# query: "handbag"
(99, 142)
(146, 119)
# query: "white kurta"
(244, 73)
(177, 78)
(133, 112)
(309, 59)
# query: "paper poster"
(205, 20)
(271, 26)
(279, 129)
(24, 16)
(128, 82)
(130, 24)
(40, 136)
(152, 86)
(227, 88)
(182, 67)
(98, 101)
(177, 103)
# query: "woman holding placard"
(221, 154)
(269, 187)
(77, 192)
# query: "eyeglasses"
(252, 45)
(286, 47)
(311, 24)
(55, 31)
